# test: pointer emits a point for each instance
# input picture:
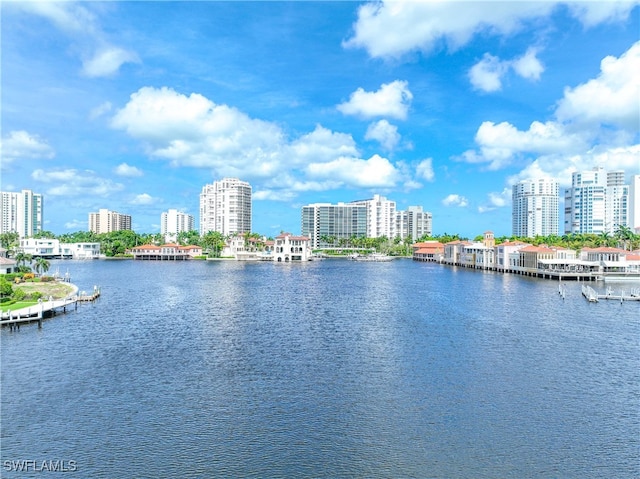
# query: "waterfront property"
(288, 247)
(541, 261)
(165, 252)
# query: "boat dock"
(45, 309)
(593, 296)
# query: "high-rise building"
(173, 222)
(413, 223)
(21, 213)
(535, 208)
(225, 207)
(634, 204)
(597, 202)
(333, 224)
(105, 221)
(381, 216)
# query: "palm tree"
(41, 264)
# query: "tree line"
(117, 243)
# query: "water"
(330, 369)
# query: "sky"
(135, 106)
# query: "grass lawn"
(19, 305)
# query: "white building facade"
(634, 204)
(173, 222)
(225, 207)
(21, 213)
(597, 202)
(327, 224)
(535, 208)
(106, 221)
(381, 216)
(413, 223)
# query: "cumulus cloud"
(609, 99)
(391, 100)
(602, 114)
(374, 172)
(384, 133)
(191, 130)
(424, 170)
(487, 74)
(79, 22)
(500, 143)
(321, 145)
(496, 200)
(21, 145)
(143, 199)
(391, 29)
(455, 200)
(528, 65)
(72, 183)
(124, 169)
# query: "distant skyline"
(135, 106)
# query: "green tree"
(41, 265)
(214, 242)
(9, 240)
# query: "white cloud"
(124, 169)
(528, 65)
(194, 131)
(72, 182)
(501, 143)
(487, 74)
(496, 200)
(78, 21)
(391, 100)
(320, 145)
(384, 133)
(455, 200)
(108, 61)
(390, 29)
(21, 145)
(609, 99)
(424, 170)
(561, 166)
(374, 172)
(143, 199)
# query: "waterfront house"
(7, 265)
(165, 252)
(428, 251)
(453, 250)
(291, 248)
(506, 251)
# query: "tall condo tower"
(105, 221)
(597, 202)
(413, 223)
(21, 213)
(225, 207)
(173, 222)
(634, 204)
(535, 208)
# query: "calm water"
(330, 369)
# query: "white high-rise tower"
(225, 207)
(535, 208)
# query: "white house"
(291, 248)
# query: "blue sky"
(134, 106)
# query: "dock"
(45, 309)
(593, 296)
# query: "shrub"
(19, 294)
(28, 276)
(46, 279)
(36, 295)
